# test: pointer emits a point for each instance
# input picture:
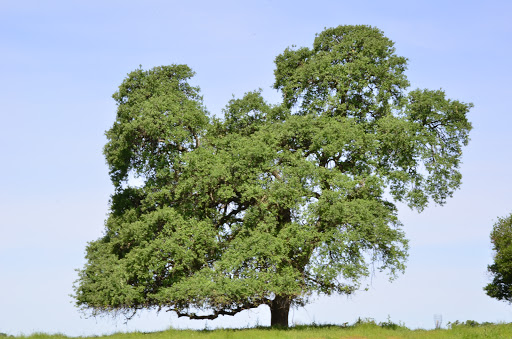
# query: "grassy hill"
(360, 330)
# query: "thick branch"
(216, 313)
(276, 174)
(196, 137)
(234, 212)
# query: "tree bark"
(279, 310)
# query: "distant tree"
(501, 270)
(273, 203)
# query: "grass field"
(366, 329)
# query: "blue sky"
(60, 62)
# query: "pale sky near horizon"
(60, 62)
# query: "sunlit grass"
(360, 330)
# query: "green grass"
(360, 330)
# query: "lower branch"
(216, 313)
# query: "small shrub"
(467, 323)
(365, 321)
(472, 323)
(391, 325)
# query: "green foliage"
(272, 203)
(501, 270)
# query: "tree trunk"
(279, 310)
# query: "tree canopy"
(501, 269)
(273, 203)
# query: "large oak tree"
(270, 204)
